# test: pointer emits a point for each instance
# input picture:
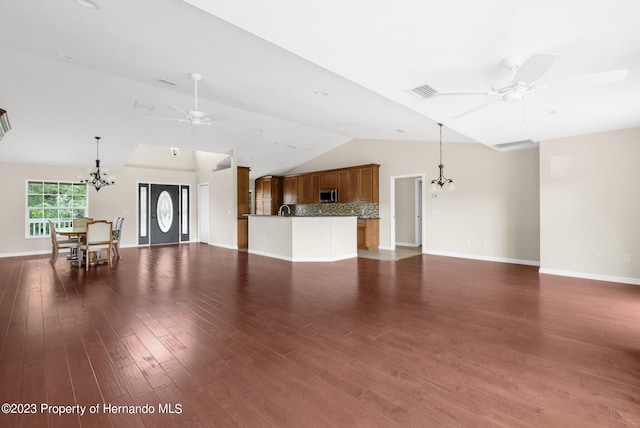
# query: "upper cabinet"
(328, 180)
(268, 195)
(243, 191)
(290, 190)
(309, 188)
(349, 185)
(369, 183)
(354, 184)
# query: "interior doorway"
(407, 211)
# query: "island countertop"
(303, 238)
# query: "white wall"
(590, 206)
(114, 201)
(493, 214)
(223, 207)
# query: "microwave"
(329, 195)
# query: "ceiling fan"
(196, 117)
(523, 82)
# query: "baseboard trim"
(301, 259)
(594, 276)
(483, 258)
(27, 253)
(407, 244)
(272, 255)
(218, 244)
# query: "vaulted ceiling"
(297, 78)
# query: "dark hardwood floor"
(224, 338)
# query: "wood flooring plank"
(59, 388)
(242, 340)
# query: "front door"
(164, 208)
(163, 211)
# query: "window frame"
(27, 208)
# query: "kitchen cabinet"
(243, 206)
(348, 185)
(328, 180)
(368, 234)
(369, 186)
(354, 184)
(290, 190)
(243, 232)
(268, 195)
(309, 189)
(243, 191)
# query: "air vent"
(516, 145)
(144, 106)
(423, 92)
(167, 82)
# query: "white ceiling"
(265, 61)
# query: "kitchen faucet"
(281, 211)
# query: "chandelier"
(442, 182)
(98, 178)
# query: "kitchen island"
(303, 239)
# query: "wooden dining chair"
(58, 242)
(99, 238)
(81, 221)
(117, 231)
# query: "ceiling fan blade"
(474, 109)
(534, 68)
(590, 80)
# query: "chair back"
(117, 227)
(52, 230)
(99, 232)
(81, 221)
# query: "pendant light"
(98, 178)
(441, 183)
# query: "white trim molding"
(484, 258)
(594, 276)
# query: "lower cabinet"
(368, 233)
(243, 232)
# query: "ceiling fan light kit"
(98, 178)
(442, 183)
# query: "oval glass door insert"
(164, 211)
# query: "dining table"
(80, 232)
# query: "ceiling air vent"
(516, 145)
(423, 92)
(167, 82)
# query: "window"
(57, 201)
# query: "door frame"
(420, 226)
(203, 205)
(180, 186)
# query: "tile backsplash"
(336, 209)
